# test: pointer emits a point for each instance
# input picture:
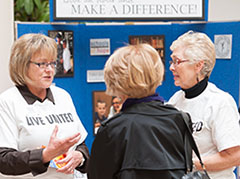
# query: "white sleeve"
(226, 129)
(8, 126)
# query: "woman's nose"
(172, 68)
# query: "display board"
(225, 74)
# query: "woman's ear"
(199, 65)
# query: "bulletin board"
(225, 74)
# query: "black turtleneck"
(196, 89)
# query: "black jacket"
(144, 141)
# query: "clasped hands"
(58, 147)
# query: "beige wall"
(7, 37)
(224, 10)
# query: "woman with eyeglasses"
(214, 112)
(41, 134)
(116, 106)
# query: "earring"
(197, 79)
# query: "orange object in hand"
(60, 158)
(53, 163)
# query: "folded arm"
(220, 161)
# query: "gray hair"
(198, 46)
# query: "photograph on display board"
(156, 41)
(101, 108)
(65, 61)
(104, 107)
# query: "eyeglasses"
(116, 103)
(44, 65)
(177, 61)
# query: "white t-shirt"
(25, 127)
(215, 120)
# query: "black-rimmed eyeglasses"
(44, 65)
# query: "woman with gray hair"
(146, 139)
(40, 132)
(214, 112)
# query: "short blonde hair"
(133, 70)
(198, 46)
(22, 51)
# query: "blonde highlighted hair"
(133, 70)
(22, 51)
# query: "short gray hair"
(198, 46)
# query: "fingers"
(69, 167)
(55, 131)
(58, 146)
(74, 137)
(72, 160)
(70, 141)
(63, 145)
(65, 160)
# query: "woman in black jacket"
(146, 139)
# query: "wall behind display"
(225, 74)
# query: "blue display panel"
(225, 74)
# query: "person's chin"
(176, 83)
(47, 84)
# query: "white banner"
(128, 9)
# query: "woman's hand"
(72, 160)
(57, 146)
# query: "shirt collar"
(196, 89)
(31, 98)
(131, 101)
